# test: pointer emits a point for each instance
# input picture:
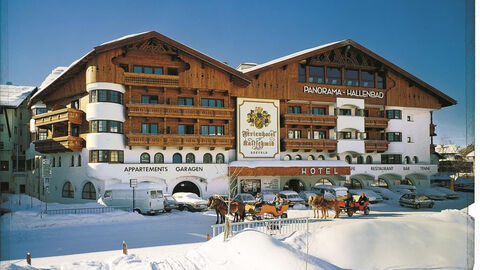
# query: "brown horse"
(221, 208)
(319, 202)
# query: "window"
(316, 74)
(301, 73)
(103, 156)
(149, 99)
(320, 157)
(294, 134)
(42, 134)
(298, 157)
(40, 111)
(75, 104)
(351, 77)
(368, 79)
(186, 129)
(348, 159)
(409, 139)
(394, 136)
(359, 160)
(145, 158)
(106, 96)
(220, 158)
(102, 126)
(344, 112)
(59, 161)
(381, 80)
(318, 111)
(409, 118)
(394, 114)
(172, 71)
(369, 160)
(208, 102)
(158, 158)
(294, 109)
(116, 127)
(334, 75)
(79, 161)
(319, 134)
(88, 192)
(190, 158)
(207, 158)
(124, 67)
(148, 70)
(310, 157)
(149, 128)
(415, 159)
(391, 159)
(287, 157)
(97, 126)
(72, 161)
(102, 95)
(407, 160)
(177, 158)
(67, 190)
(53, 162)
(185, 101)
(4, 165)
(212, 130)
(345, 135)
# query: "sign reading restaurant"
(258, 129)
(320, 90)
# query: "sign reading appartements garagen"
(258, 129)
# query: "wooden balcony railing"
(309, 144)
(162, 110)
(376, 122)
(310, 119)
(432, 130)
(378, 146)
(59, 144)
(63, 115)
(176, 140)
(140, 79)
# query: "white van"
(148, 197)
(330, 191)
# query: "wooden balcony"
(176, 140)
(175, 111)
(432, 130)
(140, 79)
(73, 116)
(376, 146)
(310, 119)
(309, 144)
(376, 122)
(59, 144)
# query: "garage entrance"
(295, 185)
(186, 186)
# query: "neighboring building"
(14, 137)
(456, 161)
(146, 107)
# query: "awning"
(288, 168)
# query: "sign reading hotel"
(319, 90)
(258, 129)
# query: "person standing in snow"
(278, 201)
(258, 202)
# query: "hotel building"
(149, 108)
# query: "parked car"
(371, 195)
(415, 201)
(268, 197)
(148, 197)
(292, 197)
(329, 191)
(170, 203)
(403, 189)
(449, 193)
(465, 184)
(305, 195)
(245, 198)
(385, 193)
(431, 193)
(190, 201)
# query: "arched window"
(158, 158)
(79, 160)
(220, 158)
(67, 190)
(415, 159)
(59, 161)
(72, 161)
(88, 192)
(369, 160)
(177, 158)
(407, 160)
(298, 157)
(359, 160)
(348, 159)
(145, 158)
(287, 157)
(320, 157)
(190, 158)
(311, 157)
(207, 158)
(336, 158)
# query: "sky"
(431, 39)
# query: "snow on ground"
(391, 237)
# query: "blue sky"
(427, 38)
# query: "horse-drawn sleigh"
(318, 202)
(266, 210)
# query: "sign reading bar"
(258, 129)
(320, 90)
(288, 171)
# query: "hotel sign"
(320, 90)
(258, 129)
(288, 171)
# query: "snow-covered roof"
(447, 148)
(14, 95)
(52, 76)
(289, 163)
(124, 37)
(274, 61)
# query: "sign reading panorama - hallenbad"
(258, 129)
